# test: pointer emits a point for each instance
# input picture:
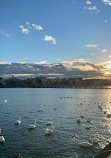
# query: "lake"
(63, 107)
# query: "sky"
(53, 31)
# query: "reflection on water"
(63, 107)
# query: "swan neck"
(35, 122)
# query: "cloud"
(2, 63)
(16, 22)
(24, 30)
(91, 45)
(104, 50)
(41, 62)
(105, 21)
(108, 2)
(50, 38)
(75, 68)
(29, 27)
(110, 56)
(88, 2)
(92, 8)
(27, 23)
(37, 27)
(20, 62)
(26, 58)
(80, 64)
(4, 33)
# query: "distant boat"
(2, 139)
(32, 126)
(18, 122)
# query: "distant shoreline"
(55, 86)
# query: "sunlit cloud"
(104, 50)
(2, 63)
(21, 62)
(24, 30)
(2, 32)
(110, 56)
(41, 62)
(37, 27)
(108, 2)
(91, 45)
(88, 2)
(50, 38)
(76, 68)
(107, 65)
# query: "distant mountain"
(76, 68)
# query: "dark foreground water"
(65, 111)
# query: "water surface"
(64, 107)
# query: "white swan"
(18, 122)
(2, 139)
(32, 126)
(49, 132)
(95, 140)
(86, 144)
(49, 123)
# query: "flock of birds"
(49, 131)
(94, 140)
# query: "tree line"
(54, 82)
